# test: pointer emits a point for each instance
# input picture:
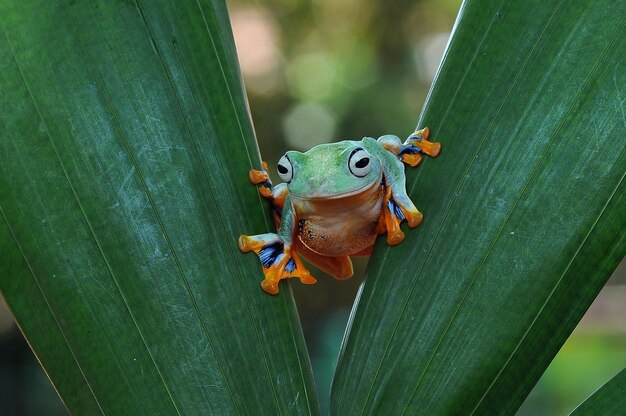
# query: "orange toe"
(432, 149)
(257, 176)
(412, 159)
(414, 218)
(269, 287)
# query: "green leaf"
(125, 144)
(608, 400)
(524, 215)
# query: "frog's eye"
(285, 169)
(359, 163)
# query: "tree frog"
(336, 199)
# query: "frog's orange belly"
(341, 232)
(330, 238)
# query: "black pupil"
(361, 163)
(282, 169)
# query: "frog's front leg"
(397, 206)
(275, 194)
(277, 252)
(410, 152)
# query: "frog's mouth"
(348, 194)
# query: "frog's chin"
(347, 194)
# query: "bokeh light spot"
(257, 42)
(428, 55)
(311, 76)
(309, 124)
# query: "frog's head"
(327, 171)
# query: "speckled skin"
(337, 199)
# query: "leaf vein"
(444, 217)
(56, 320)
(482, 141)
(285, 303)
(593, 70)
(216, 206)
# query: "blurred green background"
(324, 70)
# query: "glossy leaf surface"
(125, 144)
(608, 400)
(524, 215)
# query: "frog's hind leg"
(367, 251)
(397, 207)
(338, 267)
(278, 261)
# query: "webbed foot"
(278, 261)
(416, 145)
(262, 178)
